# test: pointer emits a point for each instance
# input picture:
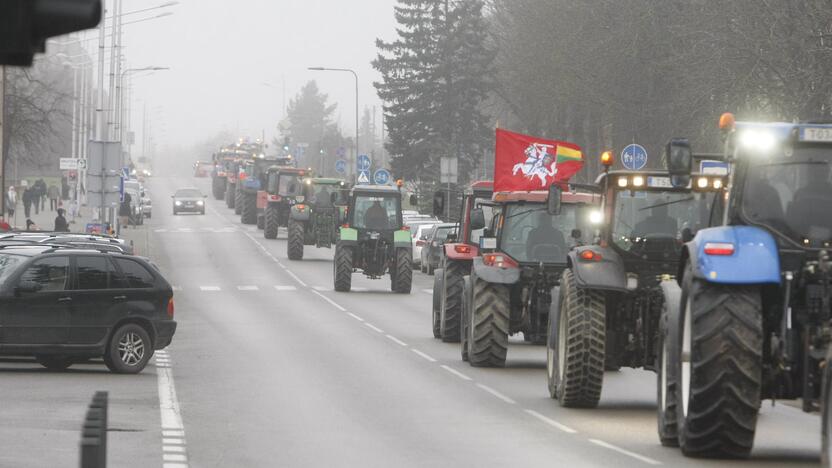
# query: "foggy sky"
(221, 51)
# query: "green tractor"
(373, 239)
(315, 218)
(283, 189)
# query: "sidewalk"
(45, 220)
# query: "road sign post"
(363, 164)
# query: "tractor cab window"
(289, 185)
(530, 234)
(792, 195)
(376, 212)
(658, 220)
(488, 212)
(321, 194)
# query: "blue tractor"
(749, 316)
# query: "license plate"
(659, 182)
(819, 134)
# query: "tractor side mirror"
(687, 235)
(553, 201)
(577, 234)
(477, 219)
(414, 200)
(679, 161)
(439, 203)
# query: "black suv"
(65, 305)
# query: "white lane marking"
(173, 448)
(174, 465)
(423, 355)
(396, 340)
(285, 288)
(373, 327)
(171, 415)
(428, 291)
(322, 288)
(360, 289)
(173, 433)
(160, 230)
(248, 288)
(210, 288)
(497, 394)
(456, 373)
(355, 316)
(300, 281)
(176, 288)
(333, 303)
(622, 451)
(551, 422)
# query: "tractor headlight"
(623, 182)
(702, 182)
(638, 181)
(759, 140)
(177, 203)
(596, 217)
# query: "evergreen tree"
(435, 77)
(309, 121)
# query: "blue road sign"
(363, 177)
(381, 177)
(340, 166)
(364, 162)
(634, 157)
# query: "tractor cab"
(283, 185)
(316, 214)
(375, 210)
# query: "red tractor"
(521, 257)
(457, 257)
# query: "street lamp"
(354, 74)
(120, 97)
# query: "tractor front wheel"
(294, 246)
(270, 229)
(402, 277)
(450, 309)
(343, 268)
(249, 209)
(488, 329)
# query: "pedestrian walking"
(60, 222)
(31, 226)
(11, 202)
(27, 202)
(124, 210)
(40, 190)
(53, 192)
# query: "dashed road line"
(358, 289)
(373, 327)
(248, 288)
(456, 373)
(285, 288)
(354, 316)
(295, 277)
(622, 451)
(551, 422)
(497, 394)
(333, 303)
(321, 288)
(427, 357)
(428, 291)
(396, 340)
(210, 288)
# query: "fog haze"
(222, 52)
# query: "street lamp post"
(354, 74)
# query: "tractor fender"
(402, 239)
(348, 236)
(492, 274)
(262, 197)
(755, 260)
(452, 253)
(298, 214)
(607, 273)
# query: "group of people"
(35, 196)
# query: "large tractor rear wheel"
(826, 415)
(575, 352)
(248, 214)
(451, 307)
(667, 345)
(343, 268)
(465, 318)
(230, 192)
(488, 329)
(238, 202)
(402, 278)
(261, 221)
(719, 368)
(271, 227)
(438, 281)
(218, 189)
(294, 247)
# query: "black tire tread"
(403, 278)
(490, 311)
(270, 230)
(294, 246)
(248, 214)
(343, 268)
(450, 311)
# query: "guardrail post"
(94, 433)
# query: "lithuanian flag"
(567, 154)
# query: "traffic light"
(25, 25)
(286, 144)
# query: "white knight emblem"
(539, 163)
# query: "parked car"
(136, 206)
(64, 305)
(432, 251)
(420, 233)
(78, 240)
(147, 204)
(188, 200)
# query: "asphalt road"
(270, 367)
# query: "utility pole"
(3, 141)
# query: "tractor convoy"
(718, 279)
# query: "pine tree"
(435, 77)
(309, 121)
